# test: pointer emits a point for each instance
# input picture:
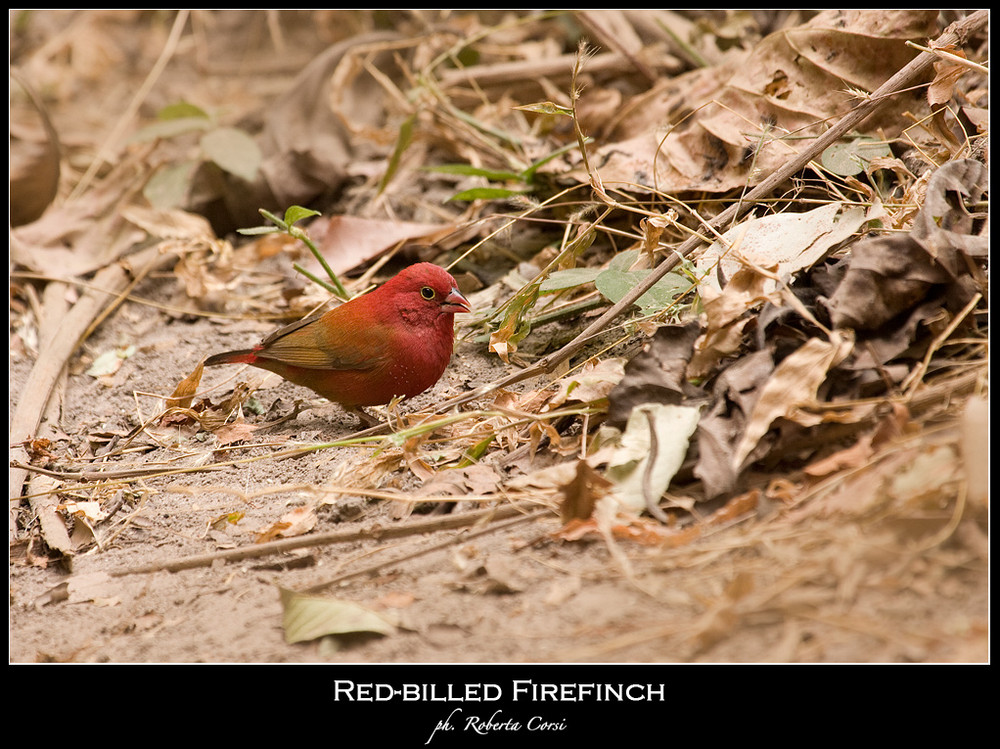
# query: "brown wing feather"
(325, 341)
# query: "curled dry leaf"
(794, 383)
(581, 494)
(592, 383)
(183, 394)
(725, 318)
(894, 283)
(33, 159)
(295, 522)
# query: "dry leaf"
(183, 394)
(785, 242)
(581, 494)
(349, 241)
(311, 617)
(794, 383)
(296, 522)
(652, 448)
(235, 431)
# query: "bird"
(393, 342)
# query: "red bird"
(393, 341)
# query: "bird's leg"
(367, 419)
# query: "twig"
(652, 501)
(324, 539)
(373, 568)
(951, 57)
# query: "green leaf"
(529, 174)
(182, 109)
(623, 260)
(170, 129)
(253, 231)
(296, 213)
(852, 157)
(232, 150)
(615, 284)
(568, 279)
(467, 170)
(488, 193)
(402, 143)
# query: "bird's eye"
(427, 292)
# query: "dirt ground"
(848, 572)
(773, 588)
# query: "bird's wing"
(323, 341)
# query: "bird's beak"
(456, 302)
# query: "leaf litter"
(779, 441)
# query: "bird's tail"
(244, 356)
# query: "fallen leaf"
(311, 617)
(89, 587)
(498, 575)
(734, 395)
(786, 242)
(657, 374)
(184, 392)
(235, 431)
(721, 127)
(652, 448)
(581, 494)
(349, 241)
(110, 362)
(794, 383)
(592, 382)
(295, 522)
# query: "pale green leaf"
(568, 279)
(170, 129)
(615, 284)
(169, 186)
(852, 157)
(311, 617)
(182, 109)
(232, 150)
(467, 170)
(669, 427)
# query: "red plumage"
(393, 341)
